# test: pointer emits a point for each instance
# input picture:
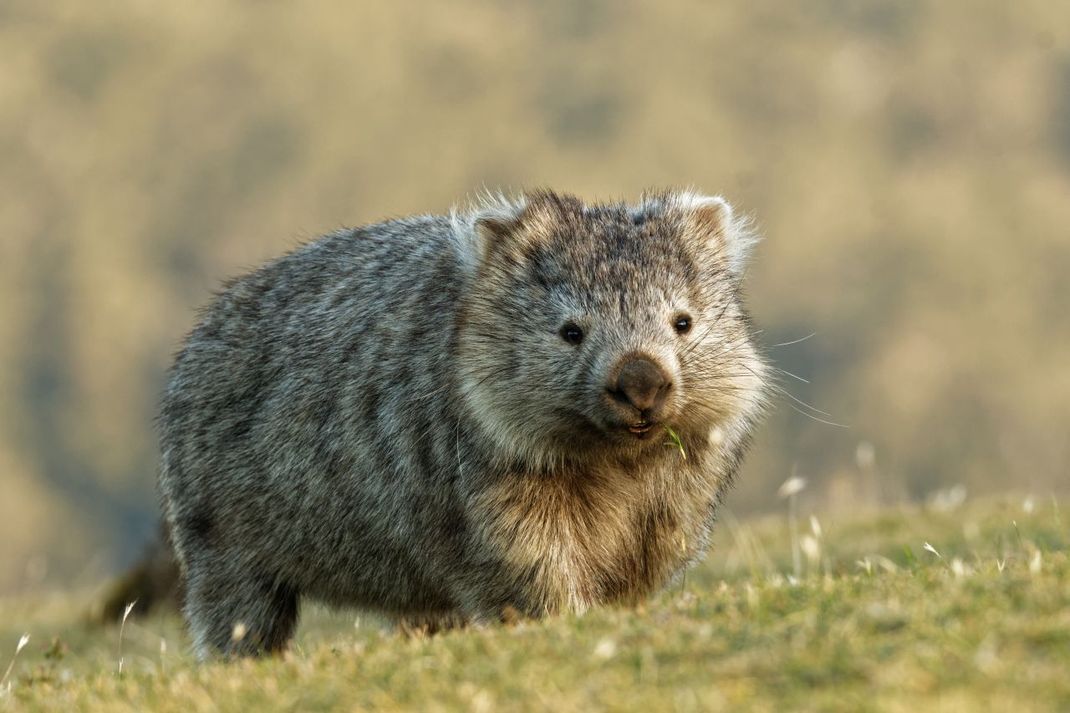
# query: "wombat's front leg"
(236, 612)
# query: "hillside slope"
(964, 608)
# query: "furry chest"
(567, 548)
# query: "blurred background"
(907, 162)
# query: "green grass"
(874, 621)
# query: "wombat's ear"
(496, 226)
(486, 227)
(714, 221)
(494, 231)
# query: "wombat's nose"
(641, 383)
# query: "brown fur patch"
(598, 536)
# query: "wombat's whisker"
(785, 372)
(794, 341)
(815, 418)
(805, 405)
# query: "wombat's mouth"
(641, 428)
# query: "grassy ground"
(875, 620)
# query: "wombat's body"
(448, 419)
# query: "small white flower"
(605, 649)
(810, 547)
(1035, 563)
(886, 564)
(792, 486)
(948, 499)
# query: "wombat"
(527, 407)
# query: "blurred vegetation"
(908, 163)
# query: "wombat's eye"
(571, 333)
(682, 324)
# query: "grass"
(674, 440)
(979, 620)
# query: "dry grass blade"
(23, 640)
(122, 627)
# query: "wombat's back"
(296, 408)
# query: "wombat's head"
(594, 330)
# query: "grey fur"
(389, 417)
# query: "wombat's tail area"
(152, 583)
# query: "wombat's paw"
(234, 614)
(424, 625)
